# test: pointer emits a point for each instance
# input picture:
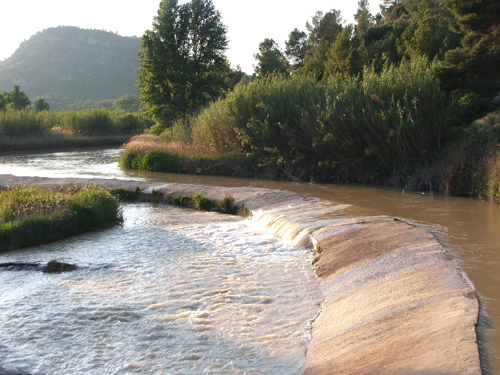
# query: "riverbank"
(395, 301)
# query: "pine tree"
(476, 63)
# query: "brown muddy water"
(468, 228)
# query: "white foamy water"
(171, 292)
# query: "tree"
(18, 99)
(344, 56)
(41, 105)
(3, 100)
(297, 46)
(270, 59)
(325, 27)
(323, 31)
(363, 17)
(474, 65)
(235, 76)
(182, 60)
(128, 103)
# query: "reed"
(90, 122)
(32, 216)
(47, 142)
(345, 128)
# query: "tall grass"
(90, 122)
(33, 216)
(342, 128)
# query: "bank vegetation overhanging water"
(397, 127)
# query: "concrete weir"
(395, 302)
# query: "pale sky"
(248, 22)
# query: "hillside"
(72, 67)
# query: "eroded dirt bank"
(395, 301)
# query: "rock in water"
(54, 266)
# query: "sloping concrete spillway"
(395, 301)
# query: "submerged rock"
(54, 266)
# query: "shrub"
(227, 206)
(203, 203)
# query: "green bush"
(227, 206)
(471, 107)
(21, 124)
(203, 203)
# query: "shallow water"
(468, 228)
(173, 291)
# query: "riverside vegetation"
(394, 99)
(32, 216)
(396, 127)
(198, 201)
(27, 129)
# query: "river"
(468, 228)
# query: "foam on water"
(172, 291)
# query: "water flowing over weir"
(395, 301)
(173, 291)
(468, 228)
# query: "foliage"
(124, 195)
(270, 59)
(227, 206)
(200, 202)
(34, 216)
(323, 31)
(41, 105)
(18, 99)
(360, 130)
(387, 100)
(203, 203)
(153, 161)
(236, 76)
(182, 60)
(297, 46)
(128, 103)
(91, 122)
(14, 100)
(57, 141)
(473, 66)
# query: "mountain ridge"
(68, 66)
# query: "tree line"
(463, 35)
(184, 67)
(18, 100)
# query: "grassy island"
(32, 216)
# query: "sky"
(248, 22)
